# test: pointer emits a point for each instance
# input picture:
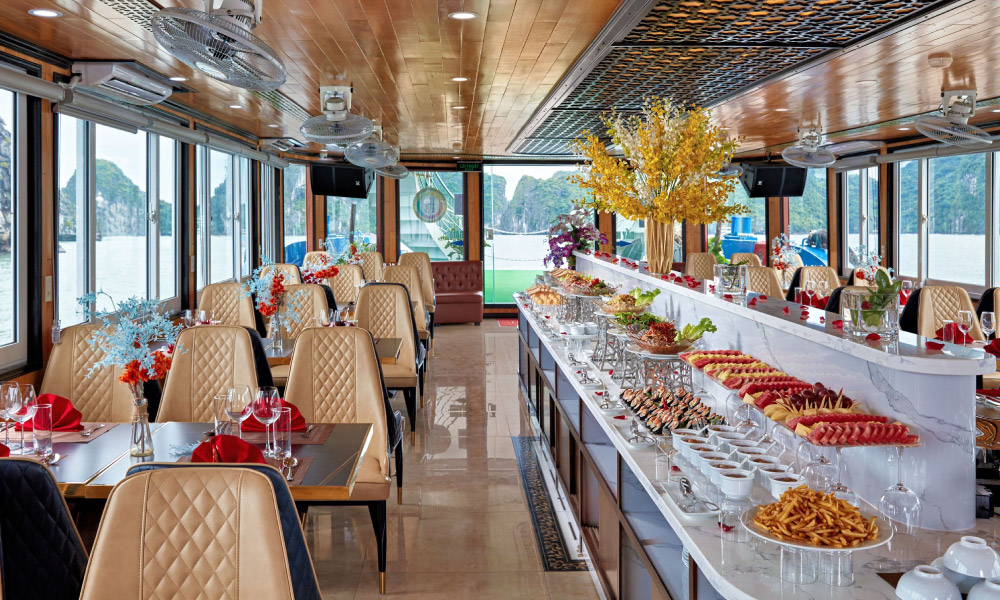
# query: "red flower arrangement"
(318, 275)
(134, 374)
(277, 289)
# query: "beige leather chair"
(212, 532)
(290, 271)
(100, 397)
(209, 361)
(422, 261)
(228, 304)
(752, 260)
(372, 264)
(384, 311)
(866, 282)
(942, 302)
(815, 274)
(764, 280)
(700, 265)
(307, 301)
(317, 259)
(346, 284)
(409, 278)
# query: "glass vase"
(730, 280)
(276, 341)
(864, 313)
(141, 442)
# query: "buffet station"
(715, 443)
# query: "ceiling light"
(903, 128)
(995, 110)
(178, 79)
(460, 79)
(462, 15)
(236, 106)
(459, 107)
(939, 60)
(44, 13)
(273, 125)
(781, 110)
(457, 157)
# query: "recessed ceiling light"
(178, 79)
(904, 129)
(462, 15)
(459, 79)
(44, 13)
(273, 125)
(781, 110)
(459, 107)
(867, 81)
(457, 157)
(237, 106)
(995, 110)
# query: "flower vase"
(571, 262)
(276, 341)
(141, 442)
(659, 246)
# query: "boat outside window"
(808, 220)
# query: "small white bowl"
(762, 460)
(737, 484)
(716, 468)
(679, 433)
(725, 437)
(563, 328)
(701, 459)
(577, 329)
(779, 485)
(746, 454)
(744, 443)
(964, 582)
(986, 590)
(590, 328)
(971, 556)
(683, 443)
(926, 583)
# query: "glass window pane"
(956, 198)
(874, 244)
(244, 216)
(167, 210)
(909, 210)
(431, 222)
(853, 216)
(739, 240)
(808, 220)
(220, 217)
(201, 198)
(294, 209)
(71, 258)
(120, 180)
(630, 238)
(520, 203)
(339, 212)
(8, 221)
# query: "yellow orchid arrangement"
(669, 171)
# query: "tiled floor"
(463, 529)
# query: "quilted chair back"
(335, 378)
(372, 264)
(812, 275)
(208, 360)
(41, 555)
(290, 271)
(317, 259)
(304, 582)
(942, 302)
(347, 282)
(409, 278)
(212, 532)
(752, 260)
(422, 261)
(228, 304)
(384, 311)
(700, 265)
(307, 301)
(855, 280)
(764, 280)
(99, 397)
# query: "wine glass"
(988, 322)
(189, 318)
(964, 323)
(899, 503)
(11, 393)
(838, 489)
(238, 407)
(4, 387)
(819, 472)
(26, 412)
(265, 409)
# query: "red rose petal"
(839, 324)
(675, 468)
(752, 303)
(664, 277)
(611, 371)
(762, 298)
(619, 417)
(727, 296)
(785, 310)
(873, 337)
(804, 316)
(598, 393)
(934, 345)
(822, 319)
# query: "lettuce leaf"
(644, 298)
(694, 332)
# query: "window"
(430, 214)
(13, 228)
(862, 210)
(294, 212)
(220, 217)
(630, 238)
(749, 233)
(351, 220)
(908, 241)
(956, 211)
(519, 204)
(167, 216)
(223, 213)
(268, 215)
(243, 215)
(808, 220)
(72, 265)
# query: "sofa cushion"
(457, 276)
(460, 298)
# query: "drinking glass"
(205, 317)
(41, 430)
(899, 503)
(964, 324)
(265, 409)
(988, 321)
(238, 407)
(838, 489)
(189, 318)
(798, 295)
(219, 416)
(27, 410)
(5, 388)
(283, 437)
(818, 473)
(334, 317)
(947, 332)
(11, 393)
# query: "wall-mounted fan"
(952, 127)
(396, 171)
(731, 170)
(337, 125)
(218, 42)
(808, 153)
(372, 153)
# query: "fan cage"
(351, 129)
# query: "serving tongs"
(693, 502)
(637, 435)
(574, 361)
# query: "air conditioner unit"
(282, 144)
(122, 81)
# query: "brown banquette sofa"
(458, 290)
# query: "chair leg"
(377, 512)
(399, 474)
(410, 395)
(420, 380)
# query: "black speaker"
(346, 181)
(762, 181)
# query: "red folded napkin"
(4, 451)
(993, 347)
(990, 393)
(227, 449)
(298, 421)
(960, 338)
(903, 297)
(64, 416)
(933, 345)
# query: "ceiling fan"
(372, 153)
(952, 126)
(337, 125)
(811, 153)
(396, 171)
(218, 42)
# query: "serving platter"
(883, 536)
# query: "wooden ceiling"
(399, 55)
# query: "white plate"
(883, 536)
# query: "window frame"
(863, 216)
(236, 183)
(17, 354)
(153, 232)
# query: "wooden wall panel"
(474, 216)
(606, 225)
(833, 212)
(390, 223)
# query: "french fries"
(805, 516)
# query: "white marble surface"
(745, 571)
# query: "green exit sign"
(471, 167)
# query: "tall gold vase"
(659, 246)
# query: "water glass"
(204, 317)
(219, 416)
(947, 331)
(799, 298)
(283, 433)
(27, 411)
(9, 391)
(988, 321)
(42, 431)
(189, 318)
